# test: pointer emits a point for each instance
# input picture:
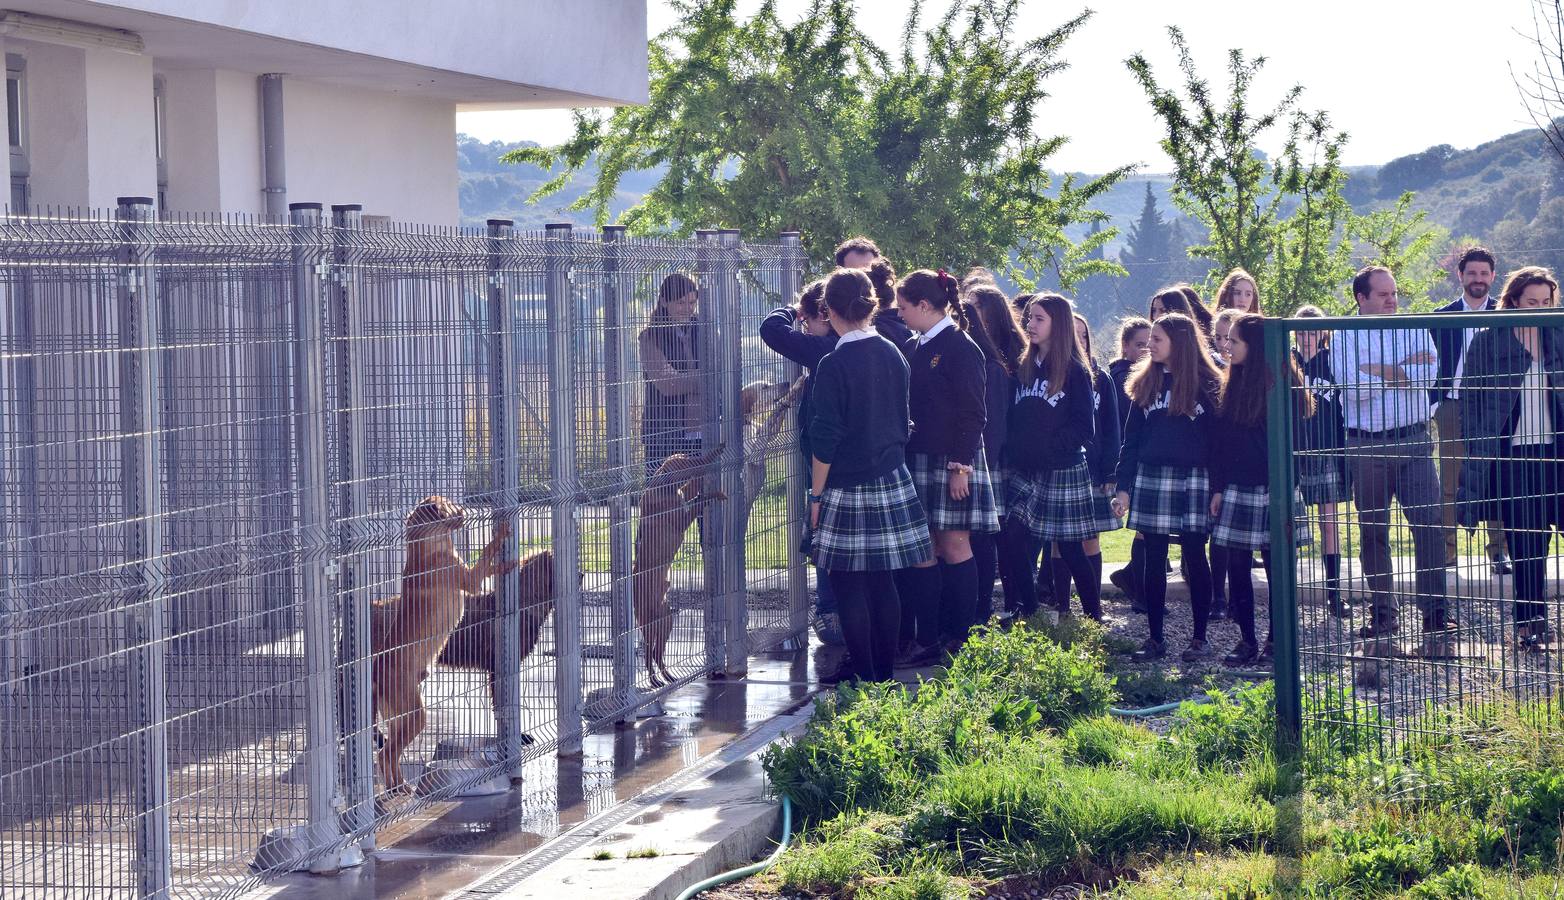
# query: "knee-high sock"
(907, 592)
(1061, 578)
(986, 553)
(1240, 603)
(1154, 582)
(1193, 549)
(920, 590)
(1218, 557)
(852, 609)
(958, 598)
(1019, 556)
(1077, 566)
(885, 621)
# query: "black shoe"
(1150, 650)
(1242, 655)
(1501, 564)
(1340, 608)
(1125, 582)
(1267, 656)
(1197, 650)
(1379, 630)
(1218, 610)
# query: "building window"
(16, 129)
(160, 138)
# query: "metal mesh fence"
(1409, 620)
(307, 525)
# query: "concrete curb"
(713, 824)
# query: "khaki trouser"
(1452, 450)
(1403, 471)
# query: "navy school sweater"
(778, 333)
(1049, 427)
(946, 395)
(999, 390)
(888, 323)
(1326, 429)
(1152, 437)
(1119, 371)
(1102, 454)
(859, 411)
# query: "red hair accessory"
(943, 277)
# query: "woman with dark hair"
(1511, 392)
(674, 410)
(887, 318)
(994, 329)
(1181, 298)
(863, 507)
(1240, 474)
(1163, 479)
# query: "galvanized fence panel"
(211, 433)
(1438, 642)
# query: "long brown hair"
(1224, 294)
(1188, 362)
(1062, 350)
(882, 275)
(1247, 385)
(664, 332)
(992, 310)
(1519, 280)
(1176, 298)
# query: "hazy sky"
(1397, 75)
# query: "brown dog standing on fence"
(472, 643)
(435, 587)
(669, 504)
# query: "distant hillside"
(1470, 192)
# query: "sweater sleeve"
(1108, 430)
(668, 381)
(778, 333)
(1217, 463)
(1129, 450)
(827, 404)
(998, 391)
(970, 400)
(1080, 424)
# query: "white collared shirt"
(1466, 344)
(939, 326)
(1369, 403)
(859, 335)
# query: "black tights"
(1018, 568)
(1074, 557)
(870, 612)
(1154, 580)
(1240, 587)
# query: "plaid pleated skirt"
(1243, 523)
(875, 526)
(1323, 479)
(1170, 500)
(1053, 504)
(979, 512)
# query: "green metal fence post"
(1283, 576)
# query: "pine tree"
(1148, 255)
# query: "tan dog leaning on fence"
(471, 645)
(672, 500)
(435, 586)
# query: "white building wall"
(238, 142)
(394, 154)
(194, 173)
(5, 162)
(56, 122)
(121, 148)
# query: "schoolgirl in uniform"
(1221, 343)
(1134, 344)
(1048, 493)
(887, 318)
(863, 505)
(1163, 481)
(948, 405)
(803, 335)
(994, 329)
(1181, 298)
(1323, 463)
(1240, 474)
(1239, 291)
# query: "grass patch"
(1008, 767)
(643, 853)
(602, 855)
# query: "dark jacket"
(860, 424)
(1447, 343)
(888, 323)
(1102, 454)
(1325, 430)
(1152, 437)
(778, 333)
(1496, 364)
(946, 396)
(999, 390)
(1050, 427)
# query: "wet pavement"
(451, 845)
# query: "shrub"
(839, 852)
(1064, 682)
(1234, 728)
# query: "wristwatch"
(958, 467)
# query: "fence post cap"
(500, 223)
(296, 206)
(345, 207)
(134, 201)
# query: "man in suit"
(1476, 269)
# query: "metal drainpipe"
(273, 164)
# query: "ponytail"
(936, 288)
(882, 278)
(848, 294)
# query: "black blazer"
(1447, 342)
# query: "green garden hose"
(755, 869)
